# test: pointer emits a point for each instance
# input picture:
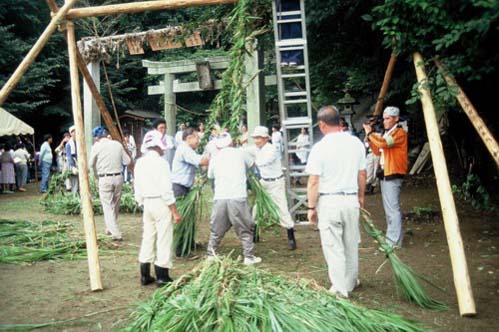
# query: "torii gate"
(169, 86)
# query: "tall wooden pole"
(472, 114)
(33, 53)
(451, 222)
(386, 83)
(142, 6)
(87, 209)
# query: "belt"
(273, 179)
(109, 174)
(339, 193)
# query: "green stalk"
(185, 232)
(267, 211)
(406, 280)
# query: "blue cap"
(98, 131)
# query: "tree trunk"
(86, 202)
(472, 114)
(451, 222)
(385, 85)
(137, 7)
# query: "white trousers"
(110, 195)
(157, 237)
(277, 191)
(340, 235)
(372, 168)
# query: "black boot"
(291, 239)
(256, 236)
(162, 276)
(145, 274)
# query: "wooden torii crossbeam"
(76, 62)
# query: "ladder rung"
(295, 94)
(302, 120)
(288, 13)
(293, 68)
(302, 223)
(296, 101)
(298, 150)
(289, 20)
(293, 75)
(291, 48)
(297, 167)
(298, 174)
(291, 42)
(300, 190)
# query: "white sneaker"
(336, 293)
(252, 260)
(210, 258)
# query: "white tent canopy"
(10, 125)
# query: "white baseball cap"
(260, 131)
(391, 111)
(223, 141)
(72, 128)
(154, 138)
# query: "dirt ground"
(49, 291)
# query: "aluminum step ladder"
(295, 104)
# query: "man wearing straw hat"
(230, 206)
(107, 159)
(268, 161)
(392, 147)
(335, 191)
(153, 190)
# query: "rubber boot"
(162, 276)
(145, 274)
(291, 239)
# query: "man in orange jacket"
(392, 147)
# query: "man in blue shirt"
(45, 161)
(185, 163)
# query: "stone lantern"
(346, 107)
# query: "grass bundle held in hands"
(267, 211)
(224, 295)
(27, 242)
(406, 279)
(184, 234)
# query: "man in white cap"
(230, 207)
(107, 160)
(153, 190)
(159, 125)
(268, 161)
(72, 155)
(392, 147)
(335, 191)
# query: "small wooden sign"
(135, 46)
(194, 40)
(162, 42)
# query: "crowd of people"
(14, 161)
(341, 169)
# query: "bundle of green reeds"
(184, 234)
(127, 202)
(224, 295)
(23, 241)
(406, 280)
(266, 210)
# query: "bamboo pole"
(87, 209)
(386, 83)
(451, 222)
(33, 53)
(137, 7)
(468, 108)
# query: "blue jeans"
(21, 175)
(45, 176)
(390, 192)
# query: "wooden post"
(385, 85)
(472, 114)
(137, 7)
(256, 88)
(170, 106)
(451, 222)
(86, 202)
(33, 53)
(91, 115)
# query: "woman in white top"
(303, 146)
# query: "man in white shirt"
(230, 206)
(153, 190)
(277, 139)
(335, 192)
(107, 160)
(159, 125)
(72, 155)
(179, 135)
(268, 162)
